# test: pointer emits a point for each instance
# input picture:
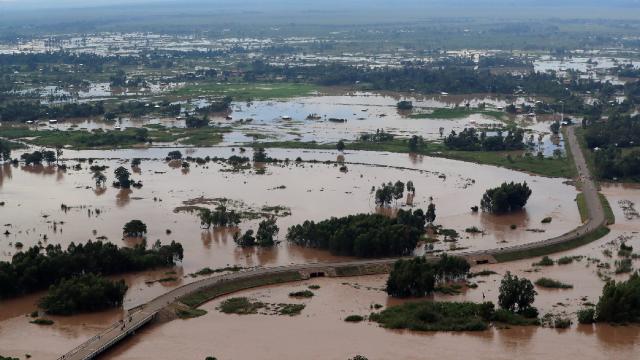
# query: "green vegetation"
(354, 318)
(553, 248)
(470, 140)
(131, 137)
(619, 301)
(482, 273)
(436, 316)
(419, 277)
(586, 316)
(552, 284)
(240, 306)
(565, 260)
(41, 322)
(37, 269)
(363, 235)
(517, 295)
(314, 287)
(510, 318)
(83, 293)
(508, 197)
(608, 212)
(134, 228)
(302, 294)
(200, 297)
(582, 207)
(545, 261)
(247, 91)
(457, 113)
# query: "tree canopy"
(506, 198)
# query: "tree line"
(469, 139)
(38, 268)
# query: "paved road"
(139, 318)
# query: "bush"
(545, 261)
(240, 305)
(511, 318)
(565, 260)
(586, 316)
(314, 287)
(42, 322)
(546, 220)
(302, 294)
(354, 318)
(552, 284)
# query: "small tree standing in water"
(123, 176)
(135, 228)
(516, 295)
(267, 230)
(430, 216)
(340, 146)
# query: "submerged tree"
(516, 295)
(267, 230)
(123, 177)
(507, 197)
(134, 228)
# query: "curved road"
(99, 343)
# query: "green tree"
(83, 293)
(245, 240)
(340, 145)
(620, 301)
(123, 176)
(516, 295)
(267, 230)
(508, 197)
(430, 215)
(398, 190)
(135, 228)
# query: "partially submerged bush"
(552, 284)
(354, 318)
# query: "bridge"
(225, 284)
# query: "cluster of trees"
(379, 136)
(21, 111)
(265, 236)
(470, 140)
(363, 235)
(619, 130)
(196, 122)
(389, 191)
(219, 217)
(506, 198)
(123, 177)
(38, 268)
(83, 293)
(419, 276)
(415, 143)
(620, 301)
(260, 155)
(612, 162)
(38, 156)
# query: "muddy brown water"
(312, 191)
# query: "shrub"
(565, 260)
(552, 284)
(545, 261)
(586, 316)
(240, 305)
(314, 287)
(546, 220)
(42, 322)
(354, 318)
(301, 294)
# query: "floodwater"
(321, 333)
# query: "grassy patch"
(433, 316)
(608, 212)
(482, 273)
(197, 298)
(246, 91)
(552, 248)
(189, 313)
(240, 306)
(552, 284)
(510, 318)
(456, 113)
(582, 207)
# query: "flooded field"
(33, 212)
(320, 331)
